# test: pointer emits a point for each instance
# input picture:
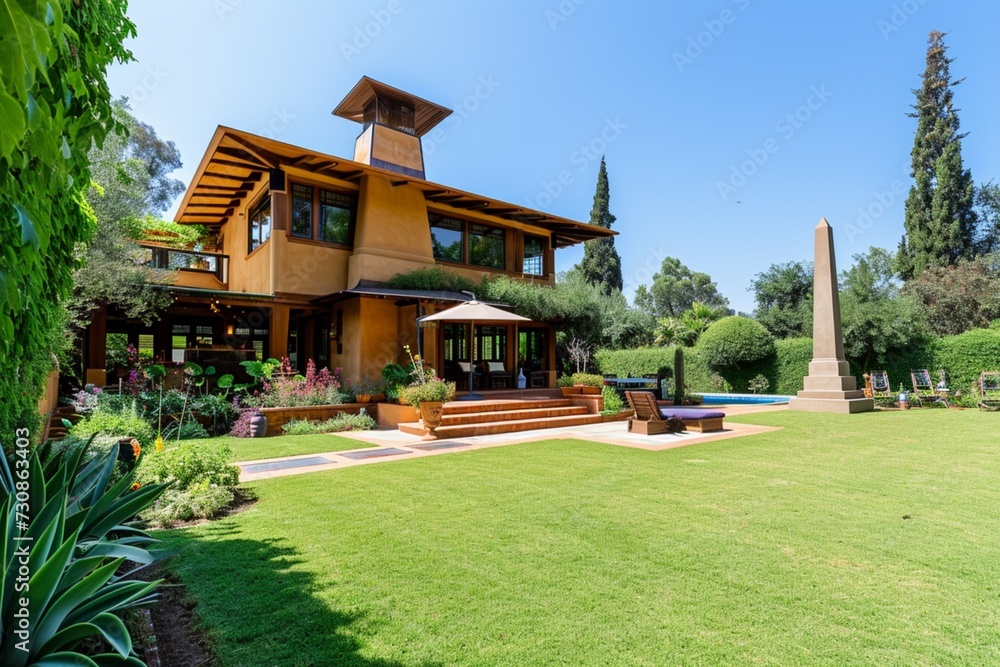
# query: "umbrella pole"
(472, 395)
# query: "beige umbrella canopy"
(473, 311)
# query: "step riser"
(484, 417)
(459, 407)
(493, 428)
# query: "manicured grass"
(251, 449)
(864, 540)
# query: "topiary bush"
(737, 348)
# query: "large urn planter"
(258, 425)
(430, 414)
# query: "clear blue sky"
(676, 118)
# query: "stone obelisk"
(830, 387)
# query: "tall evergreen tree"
(940, 219)
(601, 263)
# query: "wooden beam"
(238, 165)
(240, 154)
(269, 160)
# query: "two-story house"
(306, 243)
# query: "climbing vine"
(54, 104)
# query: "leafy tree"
(878, 321)
(669, 331)
(988, 215)
(784, 298)
(940, 218)
(961, 297)
(601, 264)
(55, 104)
(675, 288)
(697, 319)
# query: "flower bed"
(278, 417)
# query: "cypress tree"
(601, 263)
(940, 220)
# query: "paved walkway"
(395, 445)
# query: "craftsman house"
(305, 243)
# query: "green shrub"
(965, 356)
(612, 401)
(342, 422)
(790, 365)
(430, 391)
(635, 363)
(737, 348)
(202, 478)
(434, 278)
(128, 423)
(190, 430)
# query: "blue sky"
(730, 126)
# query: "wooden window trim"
(313, 238)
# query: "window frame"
(291, 211)
(315, 214)
(544, 255)
(466, 233)
(262, 202)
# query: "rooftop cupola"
(393, 122)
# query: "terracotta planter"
(430, 414)
(571, 391)
(363, 398)
(589, 390)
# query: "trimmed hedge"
(738, 349)
(790, 365)
(649, 360)
(965, 356)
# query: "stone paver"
(407, 447)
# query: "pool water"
(743, 399)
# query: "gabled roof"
(236, 161)
(425, 114)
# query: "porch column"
(278, 333)
(97, 341)
(551, 357)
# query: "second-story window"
(448, 239)
(302, 211)
(336, 211)
(486, 246)
(534, 256)
(322, 215)
(259, 222)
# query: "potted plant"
(588, 383)
(367, 390)
(567, 387)
(429, 397)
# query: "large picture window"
(468, 243)
(322, 215)
(259, 223)
(447, 237)
(534, 256)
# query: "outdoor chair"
(989, 391)
(880, 384)
(463, 378)
(499, 377)
(924, 389)
(651, 419)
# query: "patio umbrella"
(473, 311)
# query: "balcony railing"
(160, 257)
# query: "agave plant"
(63, 568)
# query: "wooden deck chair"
(880, 384)
(651, 419)
(989, 390)
(924, 390)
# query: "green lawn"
(786, 548)
(250, 449)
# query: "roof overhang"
(235, 163)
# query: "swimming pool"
(743, 399)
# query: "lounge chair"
(651, 419)
(880, 386)
(924, 389)
(989, 390)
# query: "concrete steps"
(463, 420)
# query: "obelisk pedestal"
(829, 387)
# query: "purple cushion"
(690, 413)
